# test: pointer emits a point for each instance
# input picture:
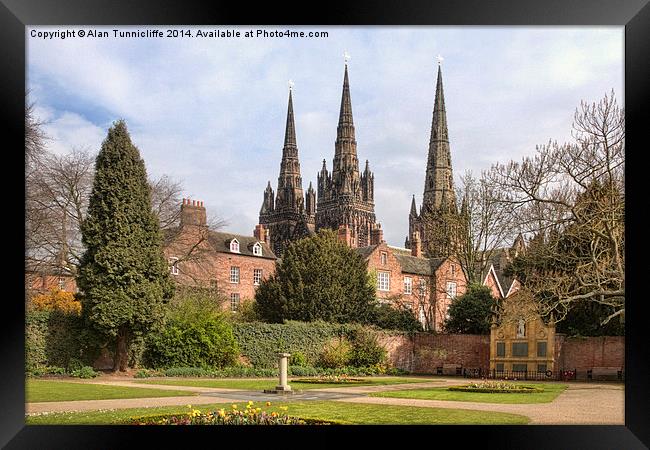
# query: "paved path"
(582, 404)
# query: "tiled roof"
(221, 243)
(419, 266)
(365, 251)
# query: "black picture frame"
(634, 15)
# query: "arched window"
(257, 249)
(234, 246)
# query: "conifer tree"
(123, 277)
(319, 278)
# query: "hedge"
(260, 342)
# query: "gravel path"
(582, 404)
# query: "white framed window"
(451, 289)
(384, 258)
(61, 283)
(234, 301)
(383, 281)
(234, 274)
(234, 246)
(173, 263)
(257, 276)
(257, 249)
(408, 285)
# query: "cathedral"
(345, 201)
(438, 225)
(287, 215)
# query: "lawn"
(548, 395)
(60, 391)
(345, 413)
(259, 385)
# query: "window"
(257, 249)
(234, 274)
(499, 367)
(61, 283)
(501, 349)
(408, 285)
(173, 262)
(541, 349)
(541, 367)
(453, 270)
(234, 246)
(257, 276)
(384, 258)
(234, 302)
(520, 349)
(383, 281)
(451, 289)
(423, 287)
(520, 367)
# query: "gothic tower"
(439, 224)
(346, 197)
(287, 215)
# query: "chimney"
(376, 235)
(260, 233)
(193, 213)
(416, 245)
(345, 235)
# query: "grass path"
(342, 412)
(38, 391)
(551, 391)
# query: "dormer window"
(257, 249)
(234, 246)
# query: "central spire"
(439, 185)
(346, 123)
(289, 194)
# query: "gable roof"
(365, 252)
(221, 243)
(419, 266)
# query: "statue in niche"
(521, 328)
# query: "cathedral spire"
(414, 210)
(289, 194)
(290, 131)
(439, 185)
(346, 123)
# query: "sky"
(210, 112)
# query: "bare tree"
(488, 223)
(571, 198)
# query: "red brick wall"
(443, 275)
(585, 353)
(424, 352)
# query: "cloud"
(211, 112)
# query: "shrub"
(298, 359)
(391, 318)
(366, 350)
(336, 354)
(56, 299)
(84, 372)
(197, 342)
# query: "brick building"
(45, 278)
(406, 279)
(231, 263)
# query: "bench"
(452, 369)
(605, 374)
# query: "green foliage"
(366, 349)
(298, 359)
(246, 312)
(207, 342)
(56, 339)
(84, 372)
(319, 278)
(336, 354)
(390, 318)
(585, 318)
(226, 372)
(260, 342)
(471, 313)
(123, 276)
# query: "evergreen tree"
(471, 313)
(123, 276)
(319, 278)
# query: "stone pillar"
(283, 372)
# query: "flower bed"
(234, 416)
(495, 387)
(329, 379)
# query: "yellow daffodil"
(222, 412)
(234, 406)
(274, 414)
(268, 403)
